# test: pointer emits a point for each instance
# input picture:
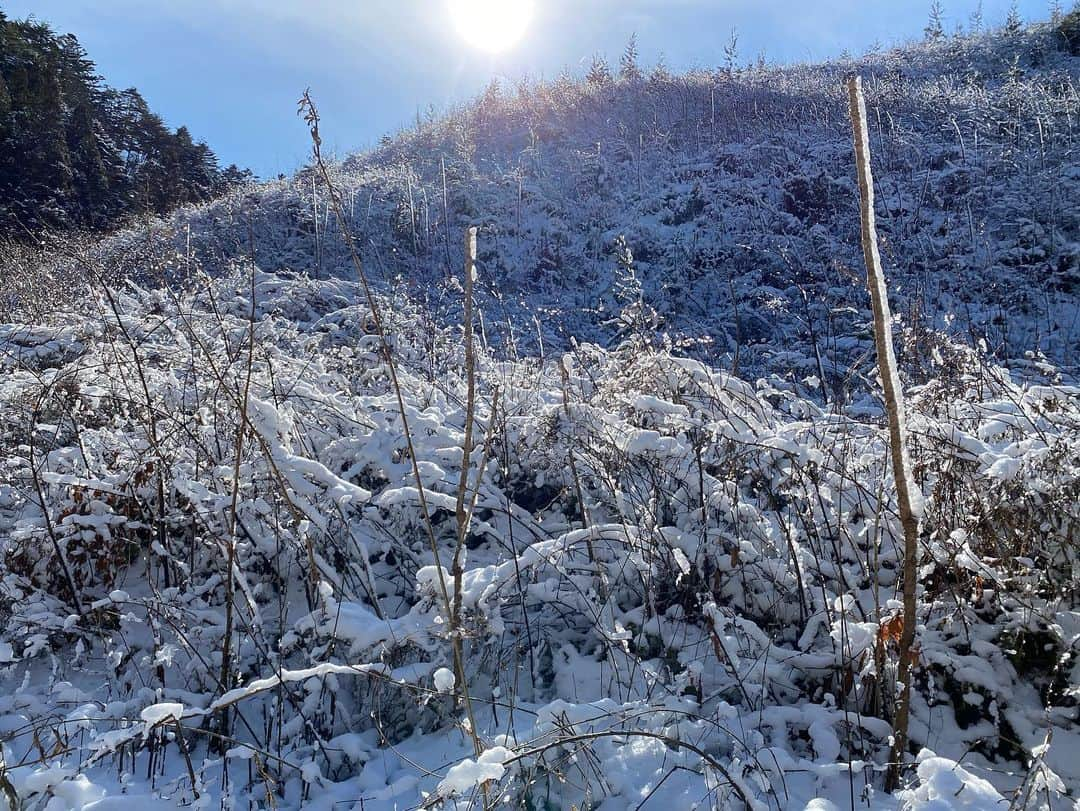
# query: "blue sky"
(232, 70)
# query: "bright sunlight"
(491, 25)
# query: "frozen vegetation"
(671, 564)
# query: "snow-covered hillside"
(735, 195)
(678, 584)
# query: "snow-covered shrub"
(676, 581)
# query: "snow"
(157, 714)
(444, 680)
(68, 791)
(470, 773)
(945, 785)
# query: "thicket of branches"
(662, 561)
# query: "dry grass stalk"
(311, 116)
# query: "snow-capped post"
(461, 510)
(908, 503)
(315, 221)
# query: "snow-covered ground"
(714, 622)
(679, 583)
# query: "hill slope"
(735, 194)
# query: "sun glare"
(491, 25)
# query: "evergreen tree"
(1013, 24)
(90, 177)
(232, 175)
(46, 182)
(628, 64)
(599, 73)
(5, 110)
(76, 153)
(1068, 31)
(935, 26)
(731, 51)
(660, 73)
(977, 18)
(636, 321)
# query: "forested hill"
(75, 153)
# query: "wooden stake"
(894, 406)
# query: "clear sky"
(232, 70)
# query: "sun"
(491, 25)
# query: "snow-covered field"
(714, 620)
(679, 581)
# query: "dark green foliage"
(1068, 29)
(808, 197)
(77, 154)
